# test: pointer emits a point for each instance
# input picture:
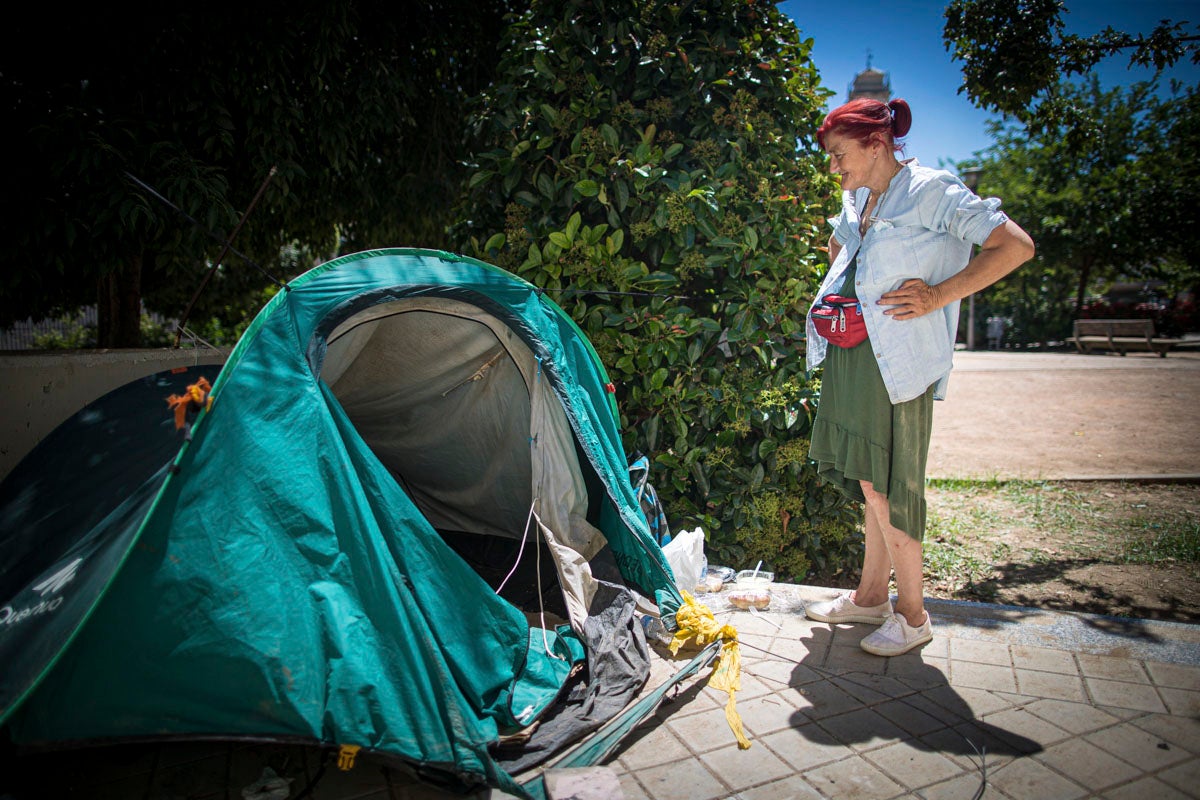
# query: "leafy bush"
(199, 333)
(72, 333)
(653, 167)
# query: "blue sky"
(904, 38)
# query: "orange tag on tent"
(195, 398)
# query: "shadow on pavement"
(914, 704)
(1086, 596)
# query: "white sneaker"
(897, 636)
(843, 609)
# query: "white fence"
(22, 335)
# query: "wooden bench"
(1121, 336)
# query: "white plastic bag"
(685, 554)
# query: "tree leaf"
(534, 257)
(615, 241)
(609, 134)
(542, 67)
(622, 191)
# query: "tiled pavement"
(1015, 703)
(1051, 705)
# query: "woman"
(902, 246)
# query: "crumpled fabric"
(695, 621)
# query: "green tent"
(402, 521)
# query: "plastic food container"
(753, 579)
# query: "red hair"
(865, 119)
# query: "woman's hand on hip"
(915, 298)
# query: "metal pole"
(971, 322)
(224, 251)
(227, 244)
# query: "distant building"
(871, 83)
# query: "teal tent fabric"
(286, 583)
(69, 513)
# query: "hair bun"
(901, 117)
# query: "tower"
(871, 83)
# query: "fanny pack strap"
(861, 236)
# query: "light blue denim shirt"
(923, 228)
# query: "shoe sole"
(834, 620)
(880, 651)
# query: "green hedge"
(653, 166)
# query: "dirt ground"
(1103, 547)
(1108, 453)
(1064, 415)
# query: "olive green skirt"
(859, 435)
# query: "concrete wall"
(40, 390)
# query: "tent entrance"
(458, 409)
(527, 580)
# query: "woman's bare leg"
(877, 564)
(904, 554)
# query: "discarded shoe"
(843, 609)
(897, 636)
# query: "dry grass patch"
(1127, 549)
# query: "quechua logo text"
(50, 592)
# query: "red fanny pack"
(840, 320)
